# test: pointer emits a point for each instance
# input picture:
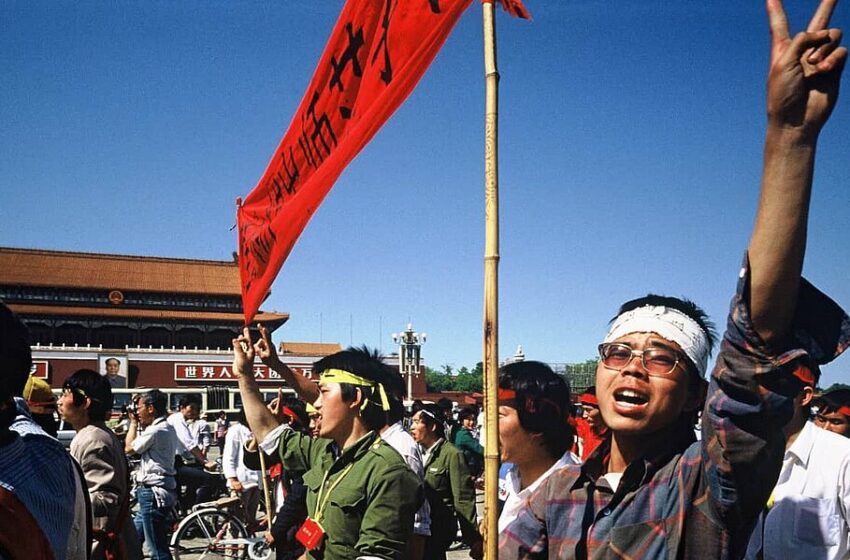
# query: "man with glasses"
(651, 491)
(156, 492)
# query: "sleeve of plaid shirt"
(743, 444)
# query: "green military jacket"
(450, 493)
(370, 495)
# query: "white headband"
(668, 323)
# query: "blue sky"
(630, 143)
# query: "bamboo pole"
(266, 493)
(491, 287)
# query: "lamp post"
(409, 345)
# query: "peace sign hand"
(805, 71)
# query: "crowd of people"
(667, 457)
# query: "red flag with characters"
(376, 55)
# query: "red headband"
(507, 394)
(804, 374)
(845, 410)
(288, 412)
(588, 399)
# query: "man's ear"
(697, 389)
(806, 395)
(358, 399)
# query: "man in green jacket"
(448, 487)
(361, 496)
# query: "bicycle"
(214, 530)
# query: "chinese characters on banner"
(374, 58)
(224, 372)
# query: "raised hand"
(243, 354)
(805, 71)
(264, 348)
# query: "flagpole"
(491, 286)
(266, 493)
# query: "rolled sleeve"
(742, 441)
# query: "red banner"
(376, 55)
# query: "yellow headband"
(342, 376)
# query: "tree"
(836, 386)
(437, 381)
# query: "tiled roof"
(309, 348)
(63, 269)
(276, 319)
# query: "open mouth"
(630, 397)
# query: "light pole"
(409, 345)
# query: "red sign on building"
(39, 369)
(219, 372)
(222, 372)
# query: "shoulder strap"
(16, 520)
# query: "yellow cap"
(40, 399)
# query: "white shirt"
(809, 517)
(403, 442)
(231, 459)
(516, 499)
(157, 445)
(201, 433)
(186, 440)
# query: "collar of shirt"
(431, 451)
(801, 449)
(513, 480)
(357, 450)
(639, 471)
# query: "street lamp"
(409, 345)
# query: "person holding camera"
(157, 446)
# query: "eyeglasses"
(656, 361)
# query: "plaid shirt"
(700, 499)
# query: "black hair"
(431, 417)
(189, 400)
(158, 399)
(831, 401)
(542, 403)
(96, 387)
(682, 305)
(395, 389)
(468, 412)
(15, 354)
(445, 403)
(367, 364)
(241, 417)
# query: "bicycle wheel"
(210, 533)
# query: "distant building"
(145, 321)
